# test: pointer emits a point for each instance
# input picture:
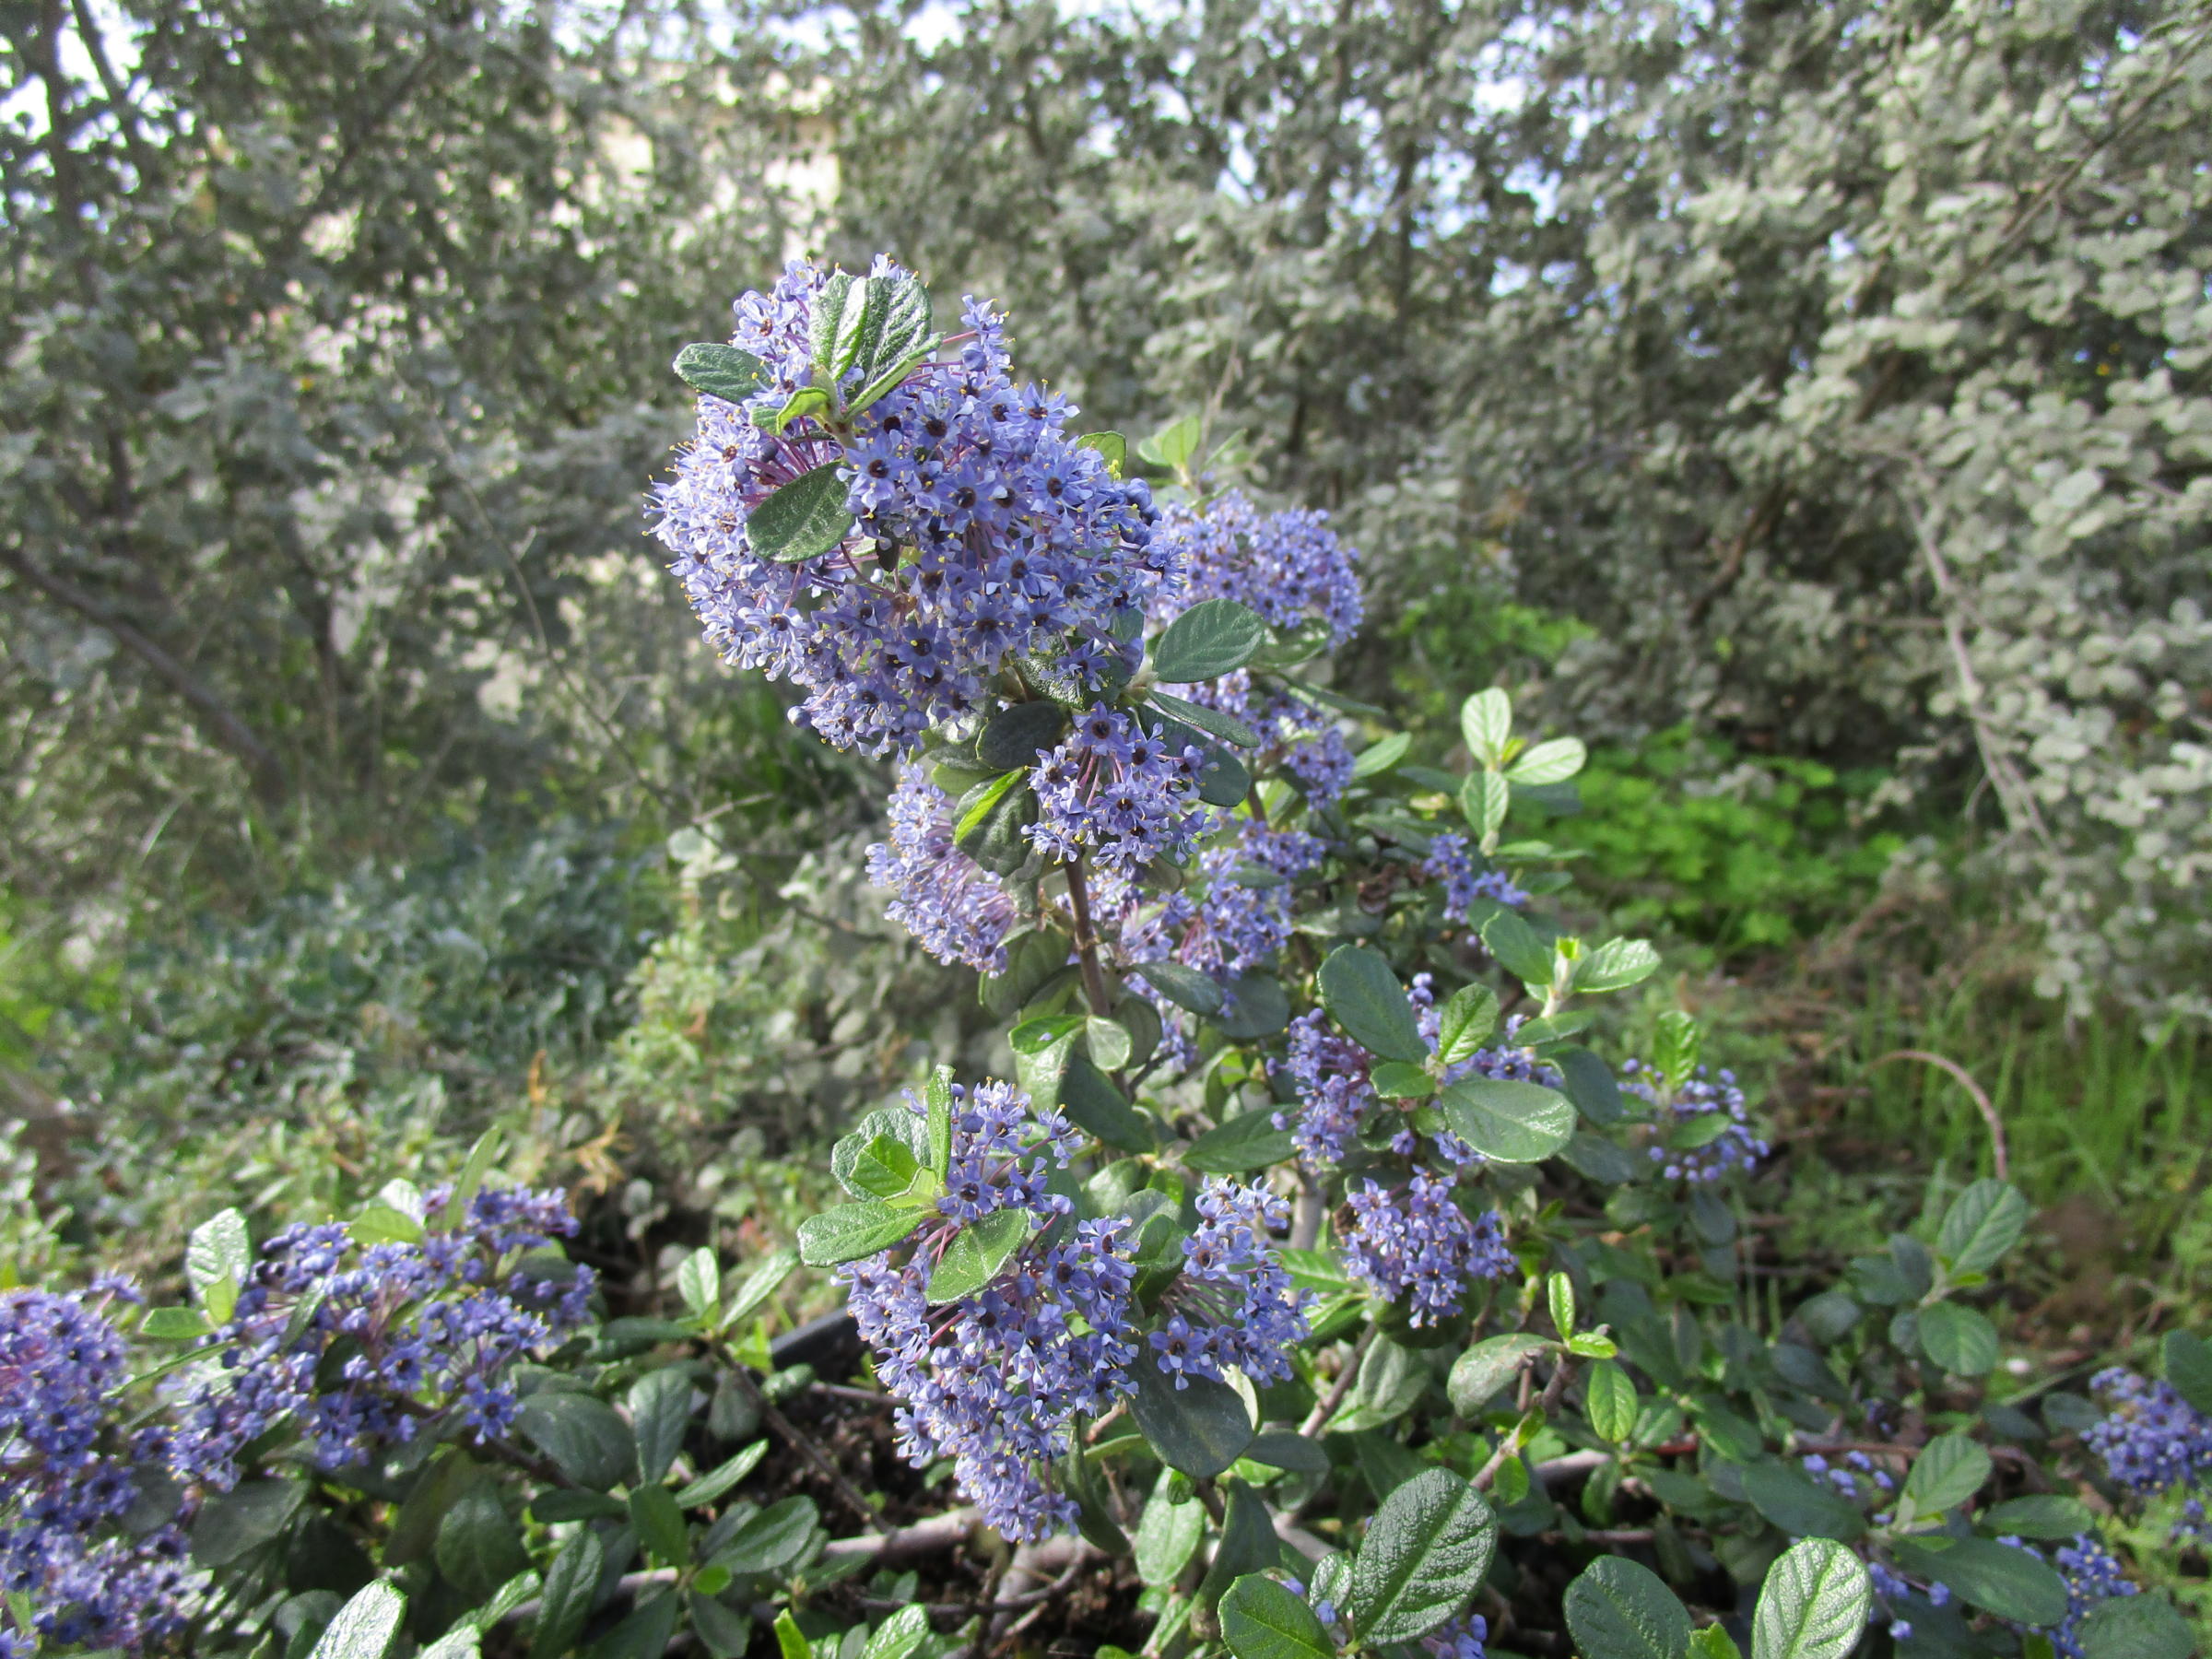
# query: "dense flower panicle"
(1004, 1149)
(1119, 794)
(1331, 1076)
(1237, 918)
(1289, 567)
(1451, 862)
(2152, 1441)
(1235, 1304)
(434, 1327)
(66, 1483)
(2093, 1576)
(957, 910)
(993, 1380)
(1416, 1240)
(983, 533)
(1736, 1148)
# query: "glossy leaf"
(364, 1627)
(1485, 720)
(977, 1253)
(1227, 727)
(1200, 1428)
(1424, 1555)
(803, 519)
(1814, 1604)
(583, 1434)
(1620, 1609)
(1213, 637)
(1363, 996)
(1950, 1470)
(721, 371)
(1488, 1366)
(852, 1230)
(1168, 1533)
(1261, 1619)
(2012, 1583)
(1187, 988)
(1508, 1121)
(1242, 1145)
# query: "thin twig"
(803, 1444)
(1326, 1408)
(1981, 1101)
(1087, 942)
(1552, 1391)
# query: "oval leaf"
(364, 1627)
(1983, 1223)
(1242, 1145)
(1618, 1609)
(853, 1230)
(1261, 1619)
(1364, 997)
(1185, 987)
(1813, 1605)
(804, 518)
(1997, 1578)
(721, 371)
(977, 1252)
(1958, 1339)
(1488, 1366)
(1424, 1555)
(1950, 1470)
(1509, 1121)
(1213, 637)
(1200, 1428)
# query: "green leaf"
(852, 1230)
(1508, 1121)
(1950, 1470)
(1791, 1501)
(1242, 1145)
(937, 1098)
(1488, 1366)
(721, 371)
(1483, 801)
(698, 1282)
(766, 1278)
(660, 1409)
(1094, 1105)
(1381, 756)
(884, 1168)
(1983, 1223)
(977, 1253)
(791, 1642)
(582, 1435)
(1958, 1338)
(479, 1546)
(808, 402)
(1112, 445)
(898, 1636)
(1552, 762)
(220, 1249)
(1261, 1619)
(725, 1634)
(646, 1634)
(1391, 1382)
(1187, 988)
(1675, 1052)
(2040, 1515)
(803, 519)
(1247, 1543)
(1397, 1080)
(1108, 1043)
(1283, 1449)
(1714, 1642)
(1610, 1402)
(174, 1325)
(2189, 1369)
(1224, 780)
(1200, 1428)
(1510, 939)
(826, 319)
(1424, 1555)
(1813, 1605)
(2134, 1626)
(990, 820)
(1486, 721)
(1172, 445)
(364, 1626)
(660, 1524)
(1620, 1609)
(1168, 1532)
(2012, 1583)
(1591, 1085)
(473, 1169)
(1224, 726)
(771, 1539)
(232, 1524)
(1213, 637)
(1253, 1008)
(566, 1601)
(1363, 996)
(714, 1483)
(1013, 737)
(1616, 965)
(1465, 1022)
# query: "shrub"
(1315, 1284)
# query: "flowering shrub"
(1316, 1283)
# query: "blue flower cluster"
(1119, 794)
(2152, 1441)
(1330, 1075)
(1451, 862)
(1853, 1479)
(65, 1492)
(1416, 1241)
(1895, 1590)
(993, 1380)
(1463, 1638)
(421, 1333)
(1292, 570)
(1247, 1312)
(957, 910)
(2093, 1575)
(1734, 1147)
(983, 533)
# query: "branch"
(223, 723)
